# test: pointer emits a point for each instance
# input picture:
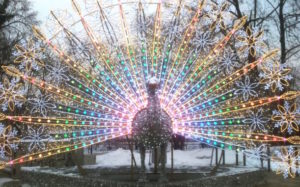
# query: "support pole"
(297, 162)
(214, 170)
(269, 160)
(216, 156)
(131, 168)
(289, 163)
(211, 157)
(244, 159)
(172, 158)
(223, 153)
(236, 157)
(155, 159)
(131, 151)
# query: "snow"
(189, 159)
(195, 160)
(4, 180)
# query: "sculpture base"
(126, 177)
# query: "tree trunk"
(282, 32)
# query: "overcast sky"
(43, 7)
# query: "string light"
(98, 99)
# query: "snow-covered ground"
(182, 159)
(5, 180)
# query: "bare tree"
(16, 20)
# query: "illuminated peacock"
(147, 70)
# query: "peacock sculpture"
(147, 70)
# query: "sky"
(43, 7)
